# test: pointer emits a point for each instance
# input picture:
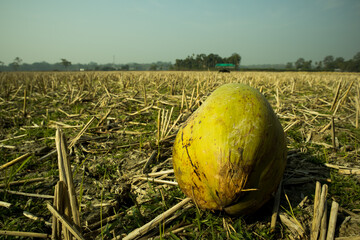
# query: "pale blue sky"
(145, 31)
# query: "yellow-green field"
(119, 128)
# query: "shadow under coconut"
(299, 182)
(301, 174)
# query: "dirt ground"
(119, 129)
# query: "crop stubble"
(120, 128)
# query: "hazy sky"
(145, 31)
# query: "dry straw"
(311, 106)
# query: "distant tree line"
(66, 65)
(205, 62)
(329, 63)
(192, 62)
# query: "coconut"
(230, 154)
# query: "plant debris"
(118, 129)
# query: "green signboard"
(225, 65)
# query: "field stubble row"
(121, 125)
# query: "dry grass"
(120, 127)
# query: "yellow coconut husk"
(231, 152)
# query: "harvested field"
(117, 128)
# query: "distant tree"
(339, 63)
(125, 67)
(39, 66)
(299, 64)
(92, 66)
(357, 57)
(329, 63)
(153, 67)
(353, 64)
(108, 67)
(189, 63)
(234, 59)
(178, 64)
(201, 60)
(307, 65)
(212, 60)
(289, 65)
(16, 63)
(65, 63)
(318, 65)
